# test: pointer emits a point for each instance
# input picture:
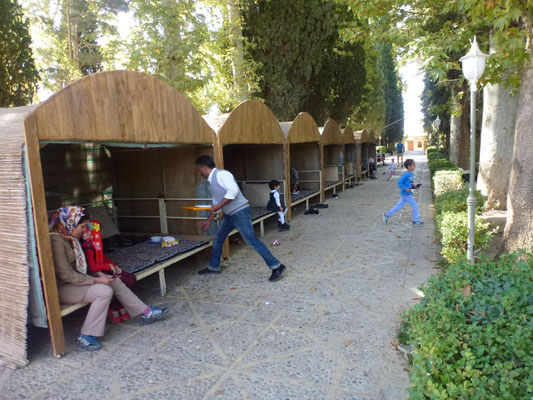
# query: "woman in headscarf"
(67, 226)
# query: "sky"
(413, 79)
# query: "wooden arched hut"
(304, 156)
(122, 144)
(332, 144)
(350, 160)
(361, 138)
(251, 145)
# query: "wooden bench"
(159, 268)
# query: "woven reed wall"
(14, 280)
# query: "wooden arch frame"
(303, 130)
(119, 107)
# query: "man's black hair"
(273, 183)
(206, 161)
(408, 162)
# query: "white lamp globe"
(437, 122)
(473, 63)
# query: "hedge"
(471, 335)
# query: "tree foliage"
(302, 62)
(18, 74)
(168, 41)
(70, 33)
(436, 101)
(393, 130)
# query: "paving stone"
(323, 332)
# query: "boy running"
(406, 185)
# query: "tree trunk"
(237, 62)
(455, 129)
(519, 228)
(464, 135)
(497, 142)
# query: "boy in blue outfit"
(406, 185)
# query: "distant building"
(416, 143)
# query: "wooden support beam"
(44, 248)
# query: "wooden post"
(163, 215)
(44, 248)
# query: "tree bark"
(464, 135)
(237, 62)
(497, 142)
(519, 228)
(455, 129)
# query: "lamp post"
(437, 125)
(473, 67)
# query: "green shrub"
(436, 156)
(446, 180)
(430, 149)
(440, 164)
(455, 201)
(471, 335)
(453, 232)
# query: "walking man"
(227, 197)
(400, 149)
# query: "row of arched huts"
(124, 144)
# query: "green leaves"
(18, 75)
(478, 346)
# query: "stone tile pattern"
(323, 332)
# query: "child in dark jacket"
(275, 204)
(98, 263)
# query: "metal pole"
(471, 200)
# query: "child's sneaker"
(154, 314)
(114, 316)
(88, 343)
(284, 227)
(417, 223)
(385, 219)
(124, 314)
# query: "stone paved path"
(323, 332)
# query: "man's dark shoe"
(207, 271)
(276, 273)
(321, 205)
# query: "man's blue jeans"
(405, 199)
(242, 221)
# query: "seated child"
(276, 205)
(294, 181)
(98, 263)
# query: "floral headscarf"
(62, 222)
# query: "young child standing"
(276, 205)
(392, 168)
(406, 186)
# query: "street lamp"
(473, 67)
(437, 125)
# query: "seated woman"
(67, 225)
